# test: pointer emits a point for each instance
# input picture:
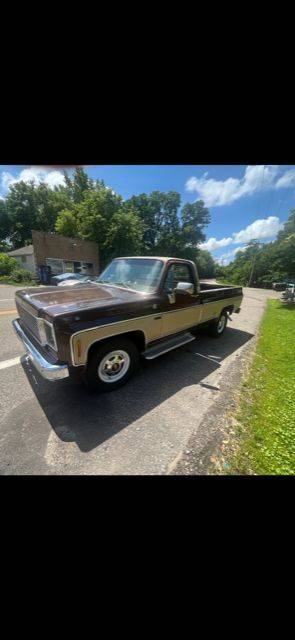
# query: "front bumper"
(46, 369)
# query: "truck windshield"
(133, 273)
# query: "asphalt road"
(143, 428)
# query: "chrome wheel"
(114, 366)
(221, 324)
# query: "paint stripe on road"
(6, 299)
(7, 312)
(10, 363)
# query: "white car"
(71, 281)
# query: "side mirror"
(185, 288)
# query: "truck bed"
(212, 292)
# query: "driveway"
(143, 428)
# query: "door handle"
(158, 318)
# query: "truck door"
(181, 310)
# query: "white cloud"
(265, 228)
(231, 254)
(216, 193)
(286, 180)
(228, 257)
(38, 174)
(213, 243)
(258, 230)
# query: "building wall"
(26, 262)
(48, 245)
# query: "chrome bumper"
(45, 368)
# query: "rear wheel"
(217, 327)
(111, 364)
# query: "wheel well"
(137, 337)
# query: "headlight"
(46, 332)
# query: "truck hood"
(55, 301)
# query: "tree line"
(259, 265)
(145, 224)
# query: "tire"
(111, 364)
(217, 327)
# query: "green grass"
(266, 417)
(18, 284)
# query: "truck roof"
(164, 258)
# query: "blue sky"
(237, 195)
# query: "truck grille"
(29, 321)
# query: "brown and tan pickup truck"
(138, 306)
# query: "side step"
(168, 345)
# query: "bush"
(7, 264)
(21, 275)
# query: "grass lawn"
(266, 417)
(18, 284)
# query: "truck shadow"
(78, 415)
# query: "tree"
(95, 214)
(205, 264)
(289, 227)
(67, 224)
(78, 184)
(195, 216)
(91, 218)
(168, 231)
(7, 264)
(5, 221)
(124, 236)
(49, 202)
(21, 205)
(30, 206)
(158, 213)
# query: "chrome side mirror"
(185, 288)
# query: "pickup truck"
(137, 307)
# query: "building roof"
(22, 251)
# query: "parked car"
(138, 307)
(64, 278)
(74, 280)
(289, 294)
(279, 286)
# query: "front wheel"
(111, 364)
(217, 327)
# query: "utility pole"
(252, 270)
(255, 244)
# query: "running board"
(168, 345)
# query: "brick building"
(61, 254)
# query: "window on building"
(68, 266)
(87, 268)
(24, 259)
(77, 267)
